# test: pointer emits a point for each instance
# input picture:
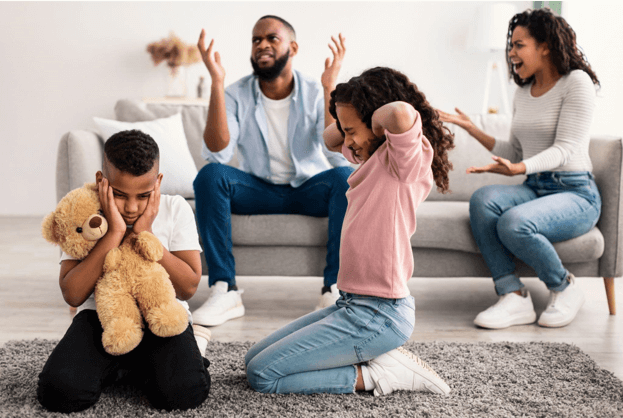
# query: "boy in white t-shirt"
(170, 371)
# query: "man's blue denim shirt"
(246, 120)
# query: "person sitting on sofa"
(275, 117)
(553, 110)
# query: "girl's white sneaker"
(400, 369)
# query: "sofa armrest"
(606, 153)
(79, 158)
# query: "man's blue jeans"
(524, 220)
(221, 190)
(317, 353)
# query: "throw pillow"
(176, 162)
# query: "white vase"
(176, 81)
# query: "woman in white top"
(552, 112)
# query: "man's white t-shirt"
(176, 229)
(281, 165)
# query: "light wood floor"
(31, 305)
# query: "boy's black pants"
(170, 371)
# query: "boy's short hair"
(133, 152)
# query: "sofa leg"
(609, 283)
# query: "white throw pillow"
(176, 162)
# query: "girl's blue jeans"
(524, 220)
(318, 352)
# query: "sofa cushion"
(440, 225)
(176, 163)
(445, 225)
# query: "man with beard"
(275, 118)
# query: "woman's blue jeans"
(318, 352)
(221, 190)
(524, 220)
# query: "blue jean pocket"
(403, 317)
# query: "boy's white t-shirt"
(277, 113)
(176, 229)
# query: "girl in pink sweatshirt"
(385, 124)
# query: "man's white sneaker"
(400, 369)
(510, 309)
(221, 306)
(562, 306)
(202, 336)
(328, 298)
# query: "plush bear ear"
(91, 186)
(48, 228)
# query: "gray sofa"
(443, 245)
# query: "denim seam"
(359, 347)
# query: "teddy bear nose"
(95, 222)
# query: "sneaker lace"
(418, 360)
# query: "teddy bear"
(133, 284)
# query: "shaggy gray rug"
(487, 380)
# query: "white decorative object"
(176, 82)
(176, 162)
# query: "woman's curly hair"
(381, 85)
(544, 26)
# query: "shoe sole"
(213, 321)
(565, 322)
(523, 319)
(426, 379)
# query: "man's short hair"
(285, 23)
(133, 152)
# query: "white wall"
(599, 33)
(63, 63)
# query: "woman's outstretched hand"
(463, 121)
(500, 166)
(460, 119)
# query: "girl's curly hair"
(381, 85)
(544, 26)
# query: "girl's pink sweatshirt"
(375, 251)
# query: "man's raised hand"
(211, 60)
(332, 67)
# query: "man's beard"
(271, 73)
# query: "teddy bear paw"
(167, 320)
(121, 336)
(148, 246)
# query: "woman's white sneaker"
(562, 306)
(510, 309)
(400, 369)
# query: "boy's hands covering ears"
(144, 222)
